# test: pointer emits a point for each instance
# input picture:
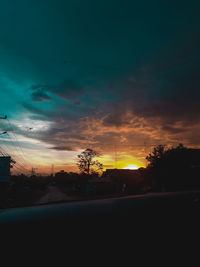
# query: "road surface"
(132, 209)
(54, 194)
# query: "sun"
(131, 167)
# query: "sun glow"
(131, 167)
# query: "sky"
(116, 76)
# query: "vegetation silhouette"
(169, 169)
(86, 162)
(175, 168)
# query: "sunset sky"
(116, 76)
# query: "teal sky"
(92, 73)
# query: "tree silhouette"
(174, 167)
(86, 162)
(157, 157)
(179, 157)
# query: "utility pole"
(3, 118)
(33, 171)
(52, 170)
(115, 156)
(5, 162)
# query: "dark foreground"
(151, 223)
(131, 209)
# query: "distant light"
(131, 167)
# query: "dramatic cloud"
(39, 95)
(68, 90)
(114, 75)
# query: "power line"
(17, 148)
(18, 144)
(21, 169)
(15, 156)
(4, 153)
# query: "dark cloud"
(115, 119)
(103, 73)
(67, 90)
(166, 90)
(63, 148)
(39, 96)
